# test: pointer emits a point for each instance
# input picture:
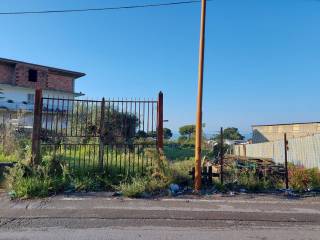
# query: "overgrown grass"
(8, 158)
(118, 160)
(178, 152)
(54, 175)
(133, 174)
(302, 179)
(160, 176)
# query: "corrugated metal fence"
(304, 151)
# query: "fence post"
(101, 135)
(160, 122)
(286, 160)
(210, 176)
(221, 155)
(4, 129)
(37, 112)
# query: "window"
(31, 98)
(33, 75)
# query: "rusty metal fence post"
(36, 127)
(221, 155)
(3, 132)
(101, 135)
(286, 160)
(160, 122)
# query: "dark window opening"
(33, 75)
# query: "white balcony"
(14, 106)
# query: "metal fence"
(106, 135)
(303, 151)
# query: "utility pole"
(199, 99)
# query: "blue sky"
(262, 56)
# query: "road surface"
(95, 216)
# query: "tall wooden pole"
(36, 130)
(199, 99)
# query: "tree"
(167, 133)
(187, 130)
(230, 133)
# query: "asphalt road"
(103, 217)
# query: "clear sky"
(262, 56)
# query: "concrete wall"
(304, 151)
(20, 95)
(276, 132)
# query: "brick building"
(18, 81)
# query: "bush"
(301, 179)
(252, 182)
(180, 172)
(24, 181)
(135, 188)
(139, 186)
(314, 174)
(159, 177)
(31, 187)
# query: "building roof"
(52, 69)
(281, 124)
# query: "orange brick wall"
(6, 73)
(21, 77)
(60, 82)
(18, 75)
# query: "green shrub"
(139, 186)
(314, 177)
(135, 188)
(24, 181)
(301, 179)
(31, 187)
(249, 181)
(158, 178)
(180, 172)
(8, 158)
(298, 178)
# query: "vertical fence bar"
(36, 127)
(160, 122)
(286, 160)
(57, 117)
(221, 155)
(209, 170)
(101, 138)
(4, 132)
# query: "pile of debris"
(263, 166)
(233, 166)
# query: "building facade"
(275, 132)
(18, 81)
